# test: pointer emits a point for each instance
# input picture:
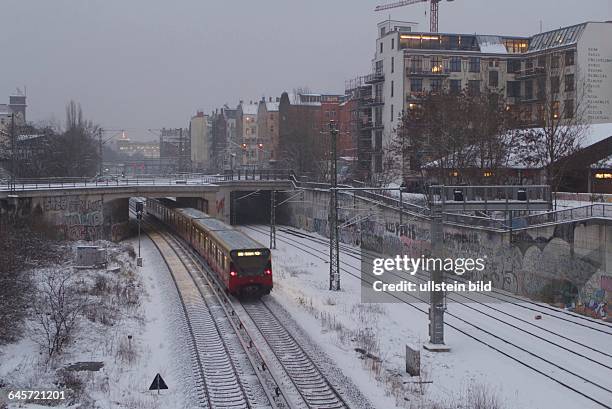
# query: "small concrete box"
(90, 256)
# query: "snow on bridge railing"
(144, 180)
(602, 210)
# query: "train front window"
(250, 262)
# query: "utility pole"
(100, 148)
(273, 219)
(334, 239)
(436, 298)
(180, 151)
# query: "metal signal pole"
(273, 219)
(13, 147)
(334, 237)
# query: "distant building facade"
(267, 132)
(17, 105)
(246, 133)
(572, 65)
(175, 149)
(199, 132)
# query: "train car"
(162, 209)
(242, 265)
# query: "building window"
(554, 84)
(494, 63)
(382, 32)
(513, 66)
(416, 84)
(436, 64)
(513, 89)
(392, 43)
(436, 84)
(378, 140)
(416, 64)
(381, 47)
(474, 87)
(455, 86)
(569, 58)
(568, 108)
(378, 116)
(378, 91)
(542, 61)
(474, 64)
(392, 113)
(493, 79)
(541, 88)
(529, 89)
(392, 65)
(392, 89)
(555, 109)
(379, 67)
(569, 82)
(455, 64)
(554, 61)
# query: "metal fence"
(144, 180)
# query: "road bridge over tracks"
(84, 209)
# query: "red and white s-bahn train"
(243, 265)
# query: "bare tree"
(461, 137)
(20, 250)
(561, 125)
(57, 307)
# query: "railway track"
(311, 384)
(495, 294)
(551, 371)
(219, 364)
(220, 368)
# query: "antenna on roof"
(540, 26)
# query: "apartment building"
(17, 105)
(304, 137)
(570, 68)
(246, 133)
(267, 131)
(200, 133)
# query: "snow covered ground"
(340, 323)
(129, 365)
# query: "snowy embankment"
(130, 323)
(340, 322)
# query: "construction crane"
(433, 14)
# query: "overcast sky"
(139, 64)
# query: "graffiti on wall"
(524, 264)
(77, 218)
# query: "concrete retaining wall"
(523, 262)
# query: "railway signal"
(139, 212)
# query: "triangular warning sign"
(158, 383)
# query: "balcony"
(435, 71)
(372, 102)
(372, 125)
(375, 77)
(531, 72)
